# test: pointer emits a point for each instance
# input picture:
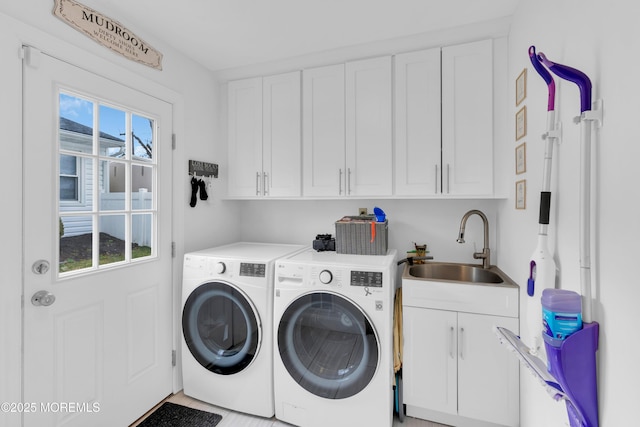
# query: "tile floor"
(236, 419)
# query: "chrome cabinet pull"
(461, 343)
(448, 178)
(340, 182)
(257, 183)
(265, 183)
(451, 341)
(348, 180)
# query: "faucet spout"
(485, 255)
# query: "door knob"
(43, 298)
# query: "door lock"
(40, 267)
(43, 298)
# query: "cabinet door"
(323, 118)
(467, 119)
(430, 359)
(281, 138)
(245, 137)
(417, 123)
(488, 380)
(368, 127)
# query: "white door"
(488, 376)
(430, 359)
(281, 138)
(97, 237)
(467, 119)
(323, 127)
(369, 133)
(245, 138)
(417, 123)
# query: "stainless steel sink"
(454, 272)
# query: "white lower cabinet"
(455, 370)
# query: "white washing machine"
(333, 332)
(227, 324)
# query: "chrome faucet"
(485, 254)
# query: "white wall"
(602, 40)
(187, 85)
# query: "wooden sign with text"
(108, 32)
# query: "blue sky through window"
(111, 121)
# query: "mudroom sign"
(107, 32)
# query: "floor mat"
(173, 415)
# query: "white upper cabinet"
(264, 136)
(281, 135)
(417, 123)
(444, 121)
(323, 138)
(467, 119)
(245, 137)
(347, 136)
(368, 127)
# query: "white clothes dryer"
(333, 332)
(227, 323)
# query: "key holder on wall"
(197, 171)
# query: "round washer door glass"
(328, 345)
(221, 328)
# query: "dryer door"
(221, 328)
(328, 345)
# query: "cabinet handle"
(436, 181)
(257, 183)
(265, 183)
(448, 178)
(451, 341)
(340, 182)
(461, 343)
(349, 181)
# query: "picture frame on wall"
(521, 123)
(521, 87)
(521, 158)
(521, 194)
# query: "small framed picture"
(521, 87)
(521, 194)
(521, 158)
(521, 123)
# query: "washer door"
(328, 345)
(221, 328)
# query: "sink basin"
(467, 273)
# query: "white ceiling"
(222, 34)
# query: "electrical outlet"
(362, 211)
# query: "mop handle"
(546, 76)
(573, 75)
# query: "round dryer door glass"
(221, 328)
(328, 345)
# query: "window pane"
(76, 124)
(142, 137)
(68, 188)
(76, 190)
(141, 187)
(112, 185)
(113, 126)
(76, 243)
(112, 239)
(141, 226)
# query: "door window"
(328, 345)
(107, 173)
